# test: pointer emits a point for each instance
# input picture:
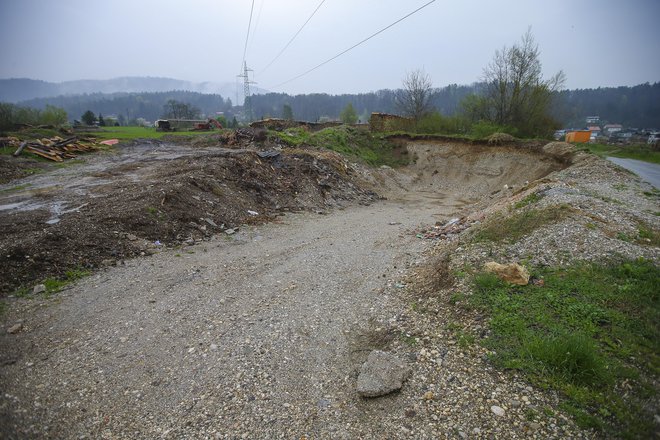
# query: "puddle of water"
(9, 206)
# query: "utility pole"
(247, 104)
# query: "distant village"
(598, 132)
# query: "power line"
(256, 24)
(292, 38)
(248, 35)
(353, 47)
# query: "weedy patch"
(532, 198)
(348, 141)
(592, 332)
(513, 227)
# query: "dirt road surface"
(255, 335)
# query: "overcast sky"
(596, 43)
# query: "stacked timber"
(56, 149)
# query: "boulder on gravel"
(512, 273)
(381, 374)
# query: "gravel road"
(247, 335)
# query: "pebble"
(498, 411)
(213, 347)
(428, 395)
(39, 288)
(15, 328)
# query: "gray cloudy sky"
(596, 43)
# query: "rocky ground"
(263, 333)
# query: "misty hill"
(132, 105)
(23, 89)
(637, 106)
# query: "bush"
(436, 123)
(11, 115)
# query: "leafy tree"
(234, 122)
(516, 94)
(222, 120)
(101, 120)
(174, 109)
(287, 112)
(414, 99)
(348, 115)
(88, 118)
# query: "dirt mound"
(140, 206)
(500, 138)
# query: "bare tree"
(414, 98)
(516, 93)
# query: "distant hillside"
(23, 89)
(130, 106)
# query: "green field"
(129, 133)
(638, 152)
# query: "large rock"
(381, 374)
(512, 273)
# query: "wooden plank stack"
(56, 148)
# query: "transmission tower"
(247, 102)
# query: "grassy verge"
(590, 332)
(359, 144)
(638, 152)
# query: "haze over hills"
(23, 89)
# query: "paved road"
(649, 172)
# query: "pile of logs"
(56, 149)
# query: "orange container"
(579, 137)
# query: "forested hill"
(637, 106)
(132, 105)
(22, 89)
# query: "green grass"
(512, 228)
(54, 284)
(638, 152)
(130, 133)
(591, 332)
(532, 198)
(354, 143)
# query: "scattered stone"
(252, 213)
(381, 374)
(131, 237)
(39, 288)
(15, 328)
(428, 395)
(512, 273)
(213, 347)
(498, 411)
(230, 231)
(515, 403)
(211, 222)
(534, 426)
